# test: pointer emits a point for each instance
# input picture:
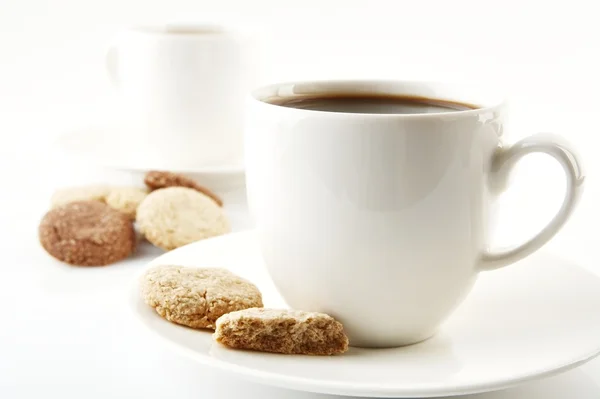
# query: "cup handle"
(503, 162)
(111, 61)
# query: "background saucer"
(100, 156)
(111, 147)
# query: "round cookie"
(87, 233)
(83, 193)
(126, 199)
(196, 297)
(156, 180)
(172, 217)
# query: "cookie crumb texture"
(282, 331)
(87, 233)
(67, 195)
(126, 199)
(196, 297)
(172, 217)
(158, 179)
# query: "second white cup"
(182, 91)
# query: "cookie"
(157, 179)
(83, 193)
(126, 199)
(87, 233)
(176, 216)
(196, 297)
(282, 331)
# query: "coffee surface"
(372, 104)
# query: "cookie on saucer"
(175, 216)
(158, 179)
(282, 331)
(196, 297)
(87, 233)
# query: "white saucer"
(110, 148)
(534, 319)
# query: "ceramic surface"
(182, 87)
(519, 324)
(108, 147)
(383, 220)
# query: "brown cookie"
(282, 331)
(196, 297)
(157, 179)
(87, 233)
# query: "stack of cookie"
(94, 225)
(216, 299)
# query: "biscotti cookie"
(87, 233)
(196, 297)
(157, 179)
(126, 199)
(282, 331)
(83, 193)
(176, 216)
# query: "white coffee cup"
(382, 220)
(182, 89)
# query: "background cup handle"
(111, 61)
(502, 164)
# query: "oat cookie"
(176, 216)
(87, 233)
(126, 199)
(157, 179)
(196, 297)
(83, 193)
(282, 331)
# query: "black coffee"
(372, 104)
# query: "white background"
(544, 54)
